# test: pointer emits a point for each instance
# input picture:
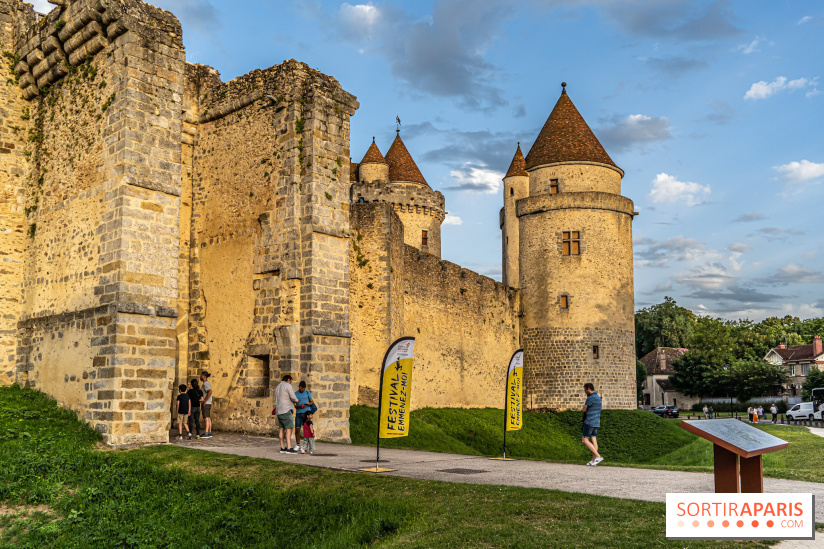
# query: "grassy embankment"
(626, 438)
(58, 488)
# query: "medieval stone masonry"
(157, 222)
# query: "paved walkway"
(620, 482)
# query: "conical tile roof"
(401, 165)
(373, 155)
(566, 137)
(518, 166)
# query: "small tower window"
(596, 352)
(511, 191)
(553, 186)
(564, 302)
(571, 243)
(424, 238)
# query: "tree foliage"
(662, 325)
(814, 380)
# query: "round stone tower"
(516, 187)
(576, 272)
(420, 208)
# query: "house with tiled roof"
(797, 359)
(657, 387)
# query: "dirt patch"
(26, 510)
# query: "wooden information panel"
(733, 439)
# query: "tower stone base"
(558, 361)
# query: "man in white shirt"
(284, 400)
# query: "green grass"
(59, 488)
(625, 438)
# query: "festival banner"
(396, 389)
(515, 391)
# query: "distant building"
(657, 387)
(797, 359)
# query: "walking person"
(308, 442)
(195, 397)
(284, 398)
(712, 413)
(774, 412)
(184, 407)
(750, 412)
(706, 411)
(592, 420)
(207, 404)
(303, 406)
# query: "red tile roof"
(373, 155)
(652, 360)
(518, 166)
(401, 165)
(566, 137)
(796, 352)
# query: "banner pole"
(380, 408)
(506, 406)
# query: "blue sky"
(714, 109)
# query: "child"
(308, 435)
(184, 408)
(195, 396)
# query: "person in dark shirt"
(184, 408)
(195, 396)
(592, 420)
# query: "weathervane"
(398, 122)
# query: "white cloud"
(712, 276)
(804, 19)
(736, 250)
(476, 178)
(42, 6)
(361, 19)
(666, 188)
(763, 89)
(796, 172)
(452, 220)
(752, 47)
(635, 128)
(793, 273)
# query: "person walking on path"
(706, 411)
(303, 406)
(284, 398)
(592, 420)
(750, 412)
(207, 404)
(184, 408)
(774, 412)
(195, 396)
(308, 442)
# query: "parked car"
(668, 410)
(802, 410)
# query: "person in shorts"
(184, 408)
(303, 406)
(592, 420)
(284, 399)
(206, 408)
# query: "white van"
(803, 410)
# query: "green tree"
(662, 325)
(814, 380)
(696, 375)
(755, 378)
(640, 378)
(713, 339)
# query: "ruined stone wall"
(598, 284)
(466, 325)
(420, 209)
(104, 81)
(14, 124)
(269, 242)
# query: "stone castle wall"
(269, 242)
(104, 82)
(466, 325)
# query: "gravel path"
(619, 482)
